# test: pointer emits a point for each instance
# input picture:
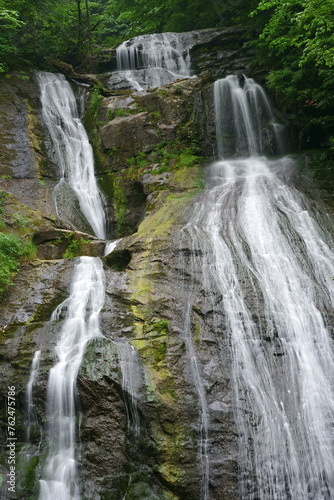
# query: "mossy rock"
(118, 260)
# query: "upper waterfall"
(154, 60)
(245, 122)
(73, 150)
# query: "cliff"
(151, 150)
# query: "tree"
(9, 26)
(298, 43)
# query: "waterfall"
(110, 246)
(264, 253)
(242, 114)
(30, 405)
(131, 379)
(203, 449)
(73, 152)
(81, 324)
(150, 61)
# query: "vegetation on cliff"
(13, 251)
(294, 39)
(296, 42)
(15, 245)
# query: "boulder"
(130, 134)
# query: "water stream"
(74, 154)
(131, 381)
(32, 379)
(150, 61)
(80, 312)
(262, 249)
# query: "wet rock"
(219, 52)
(68, 207)
(59, 243)
(118, 260)
(25, 169)
(130, 134)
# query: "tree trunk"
(88, 25)
(79, 23)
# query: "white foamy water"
(74, 153)
(131, 380)
(150, 61)
(32, 379)
(263, 252)
(80, 312)
(110, 246)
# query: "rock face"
(140, 432)
(144, 307)
(25, 169)
(131, 134)
(214, 52)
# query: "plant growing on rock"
(13, 252)
(73, 247)
(95, 102)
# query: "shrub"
(13, 251)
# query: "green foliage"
(73, 247)
(152, 16)
(297, 44)
(68, 29)
(161, 326)
(9, 26)
(2, 199)
(48, 29)
(331, 141)
(95, 102)
(121, 112)
(13, 252)
(162, 350)
(27, 473)
(120, 205)
(21, 221)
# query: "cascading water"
(110, 246)
(81, 324)
(271, 263)
(131, 379)
(203, 449)
(73, 150)
(150, 61)
(242, 114)
(33, 375)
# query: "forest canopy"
(293, 39)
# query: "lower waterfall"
(262, 249)
(81, 310)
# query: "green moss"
(2, 199)
(95, 102)
(196, 335)
(92, 128)
(45, 310)
(120, 204)
(27, 473)
(100, 360)
(161, 326)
